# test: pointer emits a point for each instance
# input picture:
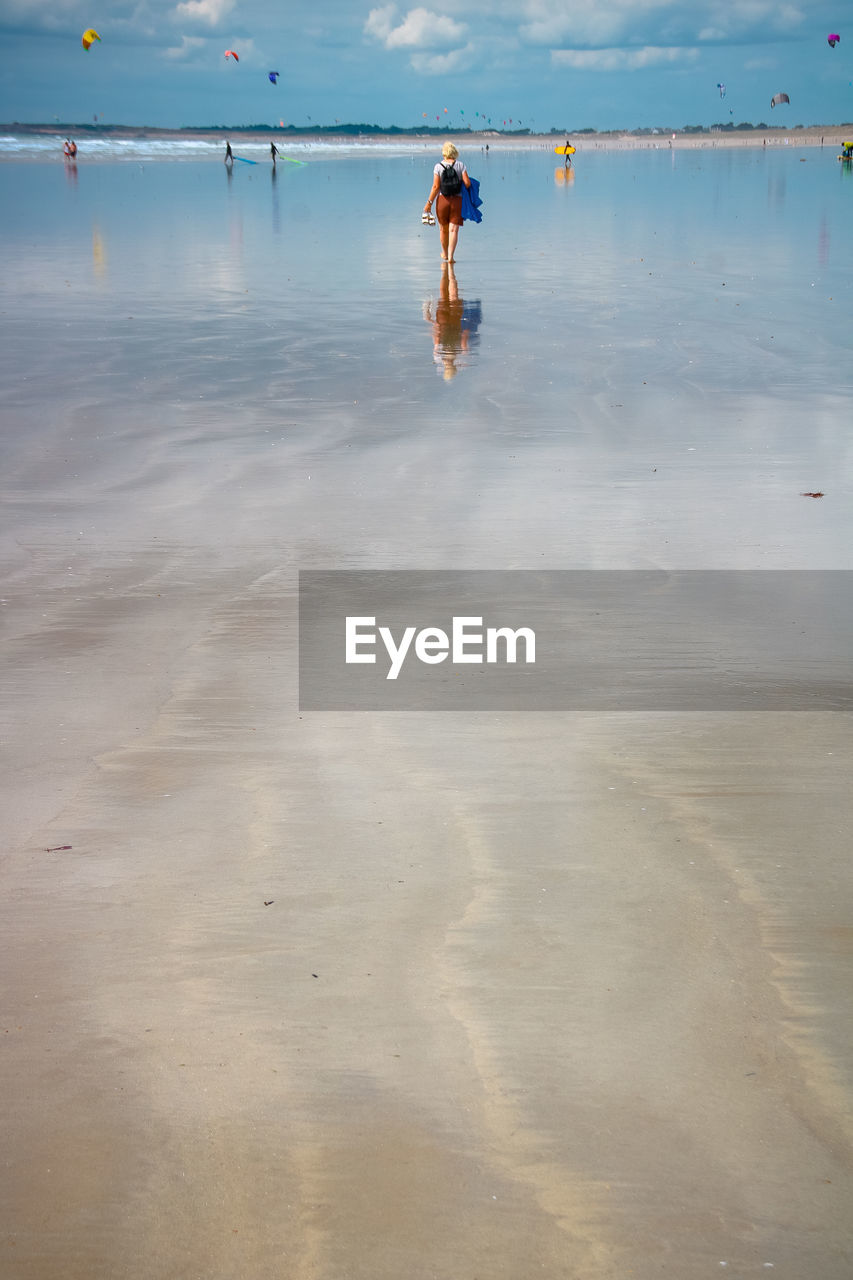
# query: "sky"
(538, 64)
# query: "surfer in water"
(229, 154)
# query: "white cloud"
(419, 29)
(724, 23)
(438, 64)
(620, 59)
(379, 22)
(569, 21)
(187, 46)
(210, 11)
(657, 23)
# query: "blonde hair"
(449, 151)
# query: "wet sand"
(436, 995)
(416, 995)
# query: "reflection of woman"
(448, 174)
(450, 332)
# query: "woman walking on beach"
(449, 176)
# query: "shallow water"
(656, 361)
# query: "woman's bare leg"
(451, 241)
(442, 235)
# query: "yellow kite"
(89, 36)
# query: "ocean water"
(642, 362)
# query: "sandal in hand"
(427, 219)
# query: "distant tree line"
(378, 130)
(354, 130)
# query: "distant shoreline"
(813, 135)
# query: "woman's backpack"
(450, 183)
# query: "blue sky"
(540, 63)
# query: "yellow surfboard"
(564, 151)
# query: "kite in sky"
(274, 77)
(229, 53)
(832, 39)
(722, 89)
(89, 37)
(779, 97)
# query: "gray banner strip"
(611, 640)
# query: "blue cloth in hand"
(471, 201)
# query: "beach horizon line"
(689, 136)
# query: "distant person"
(70, 148)
(273, 151)
(449, 177)
(229, 154)
(568, 152)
